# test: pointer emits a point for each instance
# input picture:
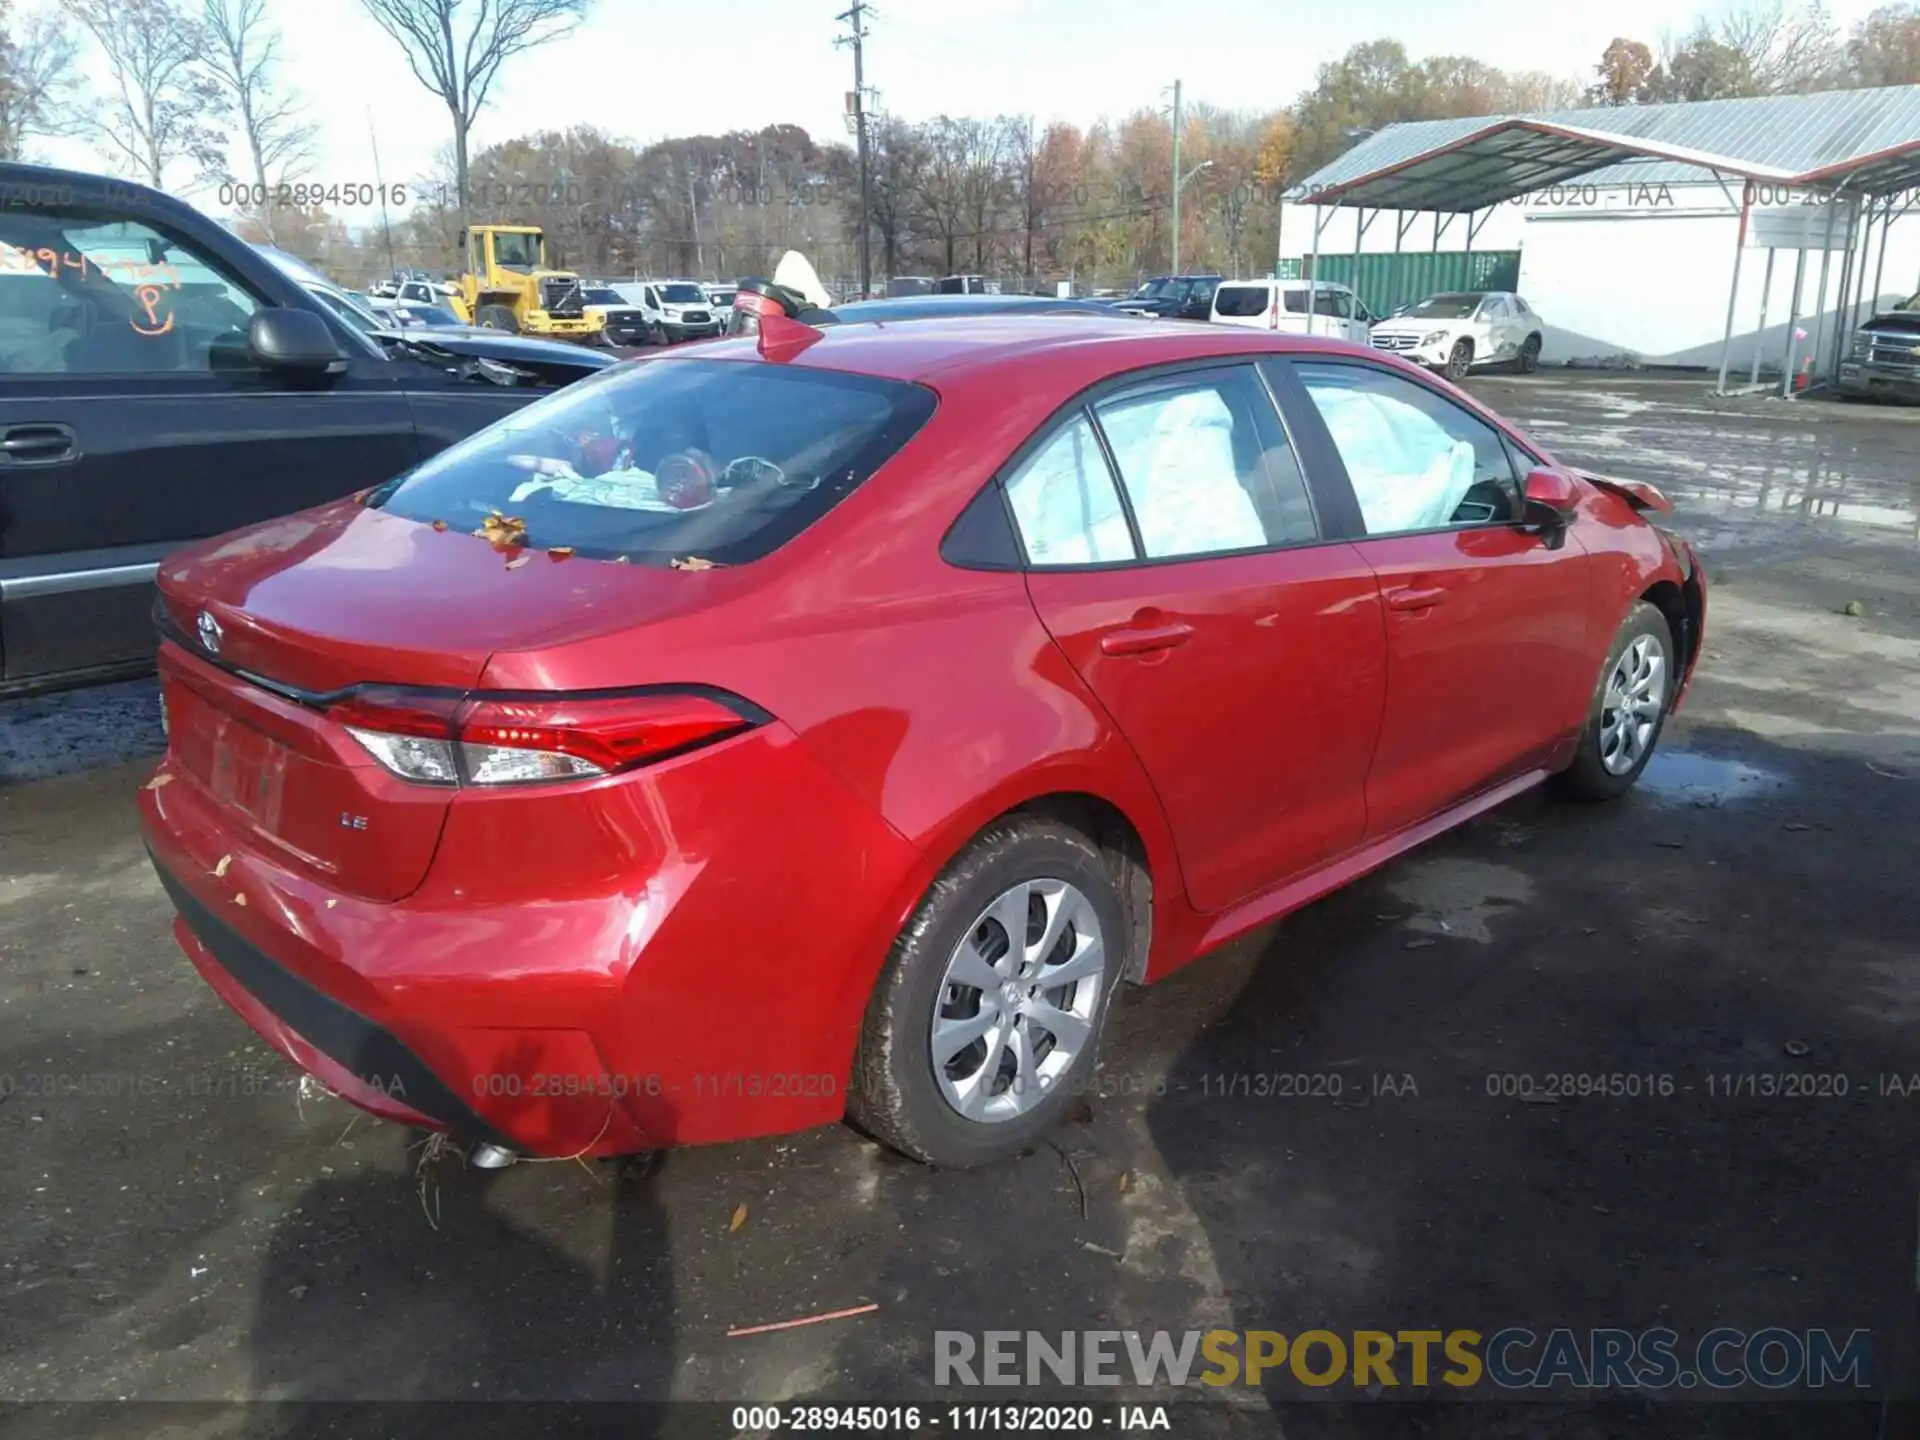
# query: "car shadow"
(1373, 1138)
(437, 1284)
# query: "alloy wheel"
(1630, 713)
(1018, 1000)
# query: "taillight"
(442, 739)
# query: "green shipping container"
(1386, 280)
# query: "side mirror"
(1552, 498)
(293, 340)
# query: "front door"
(1240, 657)
(1488, 657)
(133, 420)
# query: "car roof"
(1064, 346)
(928, 307)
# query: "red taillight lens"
(608, 732)
(512, 740)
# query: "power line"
(855, 21)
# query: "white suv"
(1463, 330)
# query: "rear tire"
(1459, 360)
(1628, 711)
(499, 317)
(1005, 1075)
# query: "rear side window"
(1065, 503)
(1241, 301)
(718, 460)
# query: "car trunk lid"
(273, 625)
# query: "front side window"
(516, 251)
(1190, 457)
(83, 295)
(1065, 504)
(713, 460)
(1416, 460)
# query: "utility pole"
(380, 184)
(1176, 177)
(855, 19)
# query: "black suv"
(162, 381)
(1174, 297)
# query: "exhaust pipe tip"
(493, 1157)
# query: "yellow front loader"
(506, 285)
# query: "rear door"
(132, 420)
(1175, 557)
(1487, 620)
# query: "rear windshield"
(718, 460)
(1240, 300)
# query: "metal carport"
(1854, 145)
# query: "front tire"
(1459, 360)
(1529, 355)
(987, 1018)
(498, 317)
(1628, 711)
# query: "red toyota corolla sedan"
(830, 724)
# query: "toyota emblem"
(209, 632)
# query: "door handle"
(1140, 641)
(1413, 597)
(36, 445)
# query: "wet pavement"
(1380, 1114)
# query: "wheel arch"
(1138, 852)
(1122, 847)
(1681, 604)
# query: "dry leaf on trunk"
(560, 552)
(693, 562)
(503, 531)
(161, 779)
(739, 1218)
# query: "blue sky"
(644, 69)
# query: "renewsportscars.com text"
(1514, 1358)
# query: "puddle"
(1681, 777)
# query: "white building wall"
(1638, 272)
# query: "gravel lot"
(196, 1229)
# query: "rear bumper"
(538, 322)
(668, 957)
(350, 1054)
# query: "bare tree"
(161, 108)
(1884, 48)
(456, 50)
(39, 80)
(242, 57)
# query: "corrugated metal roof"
(1868, 140)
